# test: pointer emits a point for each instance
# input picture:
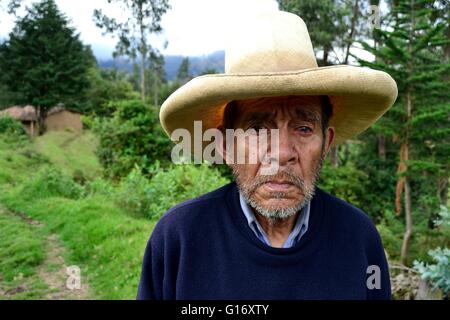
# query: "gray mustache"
(283, 175)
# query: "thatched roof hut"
(58, 118)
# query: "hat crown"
(271, 42)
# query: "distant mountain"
(198, 64)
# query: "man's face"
(302, 149)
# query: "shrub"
(50, 182)
(346, 182)
(99, 187)
(181, 183)
(132, 136)
(151, 198)
(11, 126)
(438, 273)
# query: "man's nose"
(287, 153)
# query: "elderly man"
(272, 235)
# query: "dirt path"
(53, 271)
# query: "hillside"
(72, 153)
(49, 222)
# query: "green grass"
(106, 243)
(21, 253)
(70, 152)
(18, 160)
(103, 240)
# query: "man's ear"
(329, 137)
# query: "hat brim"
(360, 96)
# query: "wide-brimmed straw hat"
(273, 56)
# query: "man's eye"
(304, 130)
(258, 127)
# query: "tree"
(107, 87)
(43, 62)
(156, 77)
(144, 19)
(325, 21)
(10, 6)
(184, 74)
(412, 50)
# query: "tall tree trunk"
(408, 212)
(142, 71)
(409, 106)
(41, 114)
(352, 30)
(409, 224)
(143, 50)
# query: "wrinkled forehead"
(289, 108)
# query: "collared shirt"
(300, 228)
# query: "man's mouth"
(279, 185)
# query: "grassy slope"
(70, 152)
(21, 252)
(103, 240)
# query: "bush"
(181, 183)
(346, 182)
(133, 194)
(50, 182)
(438, 273)
(99, 187)
(133, 136)
(11, 126)
(167, 188)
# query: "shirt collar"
(300, 227)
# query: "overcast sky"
(191, 27)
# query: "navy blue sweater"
(204, 249)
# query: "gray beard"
(274, 214)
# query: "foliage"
(101, 238)
(143, 20)
(346, 182)
(438, 273)
(167, 188)
(184, 74)
(132, 137)
(43, 62)
(10, 126)
(50, 182)
(100, 187)
(325, 20)
(106, 87)
(412, 49)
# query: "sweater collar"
(241, 222)
(300, 227)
